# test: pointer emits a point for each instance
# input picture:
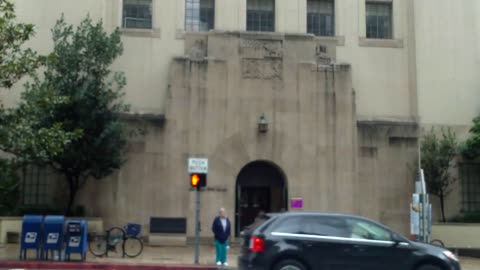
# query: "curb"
(100, 266)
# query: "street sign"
(296, 203)
(198, 165)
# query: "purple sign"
(296, 203)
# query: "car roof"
(305, 213)
(282, 215)
(319, 214)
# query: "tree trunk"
(442, 206)
(73, 187)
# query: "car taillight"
(257, 244)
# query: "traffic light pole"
(197, 224)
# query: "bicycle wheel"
(437, 242)
(132, 247)
(98, 245)
(116, 236)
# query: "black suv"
(321, 241)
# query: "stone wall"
(387, 162)
(216, 95)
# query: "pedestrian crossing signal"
(198, 180)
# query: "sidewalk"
(150, 255)
(169, 256)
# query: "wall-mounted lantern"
(263, 124)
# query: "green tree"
(471, 148)
(22, 132)
(29, 132)
(15, 61)
(437, 160)
(79, 71)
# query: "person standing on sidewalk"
(221, 230)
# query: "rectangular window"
(321, 17)
(469, 175)
(137, 14)
(36, 186)
(199, 15)
(379, 20)
(261, 15)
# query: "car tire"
(429, 267)
(290, 265)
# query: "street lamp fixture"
(263, 124)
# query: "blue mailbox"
(76, 238)
(53, 235)
(31, 237)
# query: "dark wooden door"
(252, 201)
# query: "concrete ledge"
(380, 43)
(145, 33)
(158, 240)
(338, 40)
(457, 235)
(386, 121)
(298, 36)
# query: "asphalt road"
(467, 264)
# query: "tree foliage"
(15, 61)
(438, 153)
(30, 132)
(22, 131)
(79, 73)
(471, 148)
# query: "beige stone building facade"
(346, 86)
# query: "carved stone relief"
(255, 48)
(322, 55)
(262, 59)
(262, 68)
(198, 50)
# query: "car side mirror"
(397, 239)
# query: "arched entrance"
(261, 186)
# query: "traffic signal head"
(198, 180)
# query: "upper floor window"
(36, 186)
(321, 17)
(469, 175)
(379, 20)
(199, 15)
(137, 14)
(261, 15)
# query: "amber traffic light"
(198, 180)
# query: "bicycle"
(132, 245)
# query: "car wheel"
(290, 265)
(429, 267)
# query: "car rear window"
(258, 223)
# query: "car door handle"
(308, 244)
(359, 247)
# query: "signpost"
(420, 212)
(198, 169)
